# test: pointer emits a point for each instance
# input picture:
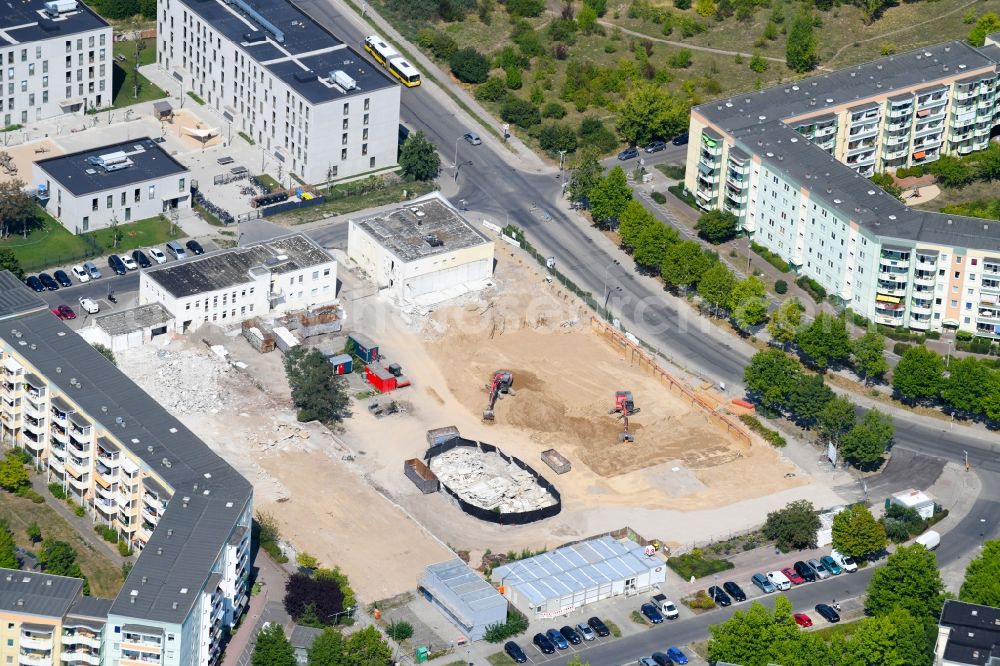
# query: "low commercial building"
(123, 182)
(555, 583)
(968, 635)
(423, 253)
(917, 500)
(468, 601)
(302, 639)
(128, 329)
(273, 276)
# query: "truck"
(665, 606)
(929, 539)
(846, 563)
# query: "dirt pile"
(192, 382)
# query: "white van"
(929, 539)
(779, 580)
(846, 563)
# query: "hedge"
(813, 288)
(770, 257)
(900, 348)
(773, 437)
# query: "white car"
(128, 261)
(157, 255)
(79, 273)
(89, 305)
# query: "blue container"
(342, 364)
(363, 347)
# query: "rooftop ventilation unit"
(343, 80)
(433, 241)
(254, 37)
(305, 76)
(279, 36)
(115, 161)
(57, 7)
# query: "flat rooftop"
(229, 268)
(133, 319)
(422, 229)
(25, 21)
(293, 47)
(35, 593)
(975, 632)
(113, 166)
(458, 577)
(16, 298)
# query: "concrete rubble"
(487, 481)
(182, 384)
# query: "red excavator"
(502, 382)
(624, 408)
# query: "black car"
(719, 596)
(569, 633)
(655, 146)
(543, 643)
(599, 627)
(628, 153)
(34, 283)
(680, 139)
(117, 265)
(734, 590)
(662, 659)
(194, 246)
(828, 612)
(650, 613)
(515, 652)
(48, 282)
(62, 278)
(141, 260)
(806, 571)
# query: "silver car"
(821, 571)
(92, 270)
(586, 633)
(472, 138)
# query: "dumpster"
(421, 654)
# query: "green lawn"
(142, 233)
(352, 203)
(122, 84)
(147, 56)
(693, 564)
(500, 659)
(269, 182)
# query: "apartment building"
(968, 635)
(277, 275)
(55, 58)
(134, 467)
(124, 182)
(304, 96)
(791, 162)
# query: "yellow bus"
(379, 50)
(405, 72)
(389, 58)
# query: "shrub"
(594, 133)
(107, 533)
(555, 137)
(813, 288)
(964, 336)
(696, 564)
(399, 631)
(519, 112)
(526, 8)
(493, 90)
(513, 75)
(79, 511)
(516, 624)
(681, 60)
(699, 601)
(613, 628)
(658, 197)
(770, 257)
(57, 491)
(553, 110)
(900, 348)
(773, 437)
(781, 287)
(28, 493)
(440, 44)
(469, 65)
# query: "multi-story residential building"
(303, 95)
(124, 182)
(968, 635)
(791, 163)
(53, 60)
(134, 467)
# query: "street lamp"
(562, 155)
(455, 161)
(459, 166)
(607, 294)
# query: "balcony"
(920, 307)
(894, 259)
(82, 657)
(891, 288)
(80, 638)
(924, 279)
(108, 507)
(39, 642)
(990, 286)
(989, 314)
(151, 518)
(82, 483)
(81, 436)
(900, 111)
(35, 659)
(925, 103)
(920, 324)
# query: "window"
(367, 103)
(180, 184)
(954, 303)
(958, 260)
(365, 122)
(957, 275)
(152, 192)
(138, 196)
(123, 198)
(86, 223)
(110, 200)
(364, 149)
(347, 108)
(371, 163)
(343, 153)
(93, 204)
(345, 123)
(974, 262)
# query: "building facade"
(52, 61)
(132, 467)
(792, 163)
(304, 96)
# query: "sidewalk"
(83, 525)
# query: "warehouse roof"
(422, 229)
(133, 319)
(15, 297)
(26, 21)
(112, 166)
(459, 578)
(575, 568)
(37, 593)
(975, 633)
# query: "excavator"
(502, 382)
(624, 408)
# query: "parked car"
(542, 642)
(92, 270)
(557, 639)
(599, 627)
(64, 312)
(665, 606)
(129, 262)
(806, 571)
(761, 581)
(176, 249)
(48, 282)
(831, 565)
(647, 661)
(821, 571)
(157, 255)
(33, 282)
(655, 146)
(62, 278)
(586, 633)
(89, 305)
(719, 596)
(846, 562)
(650, 613)
(779, 579)
(569, 633)
(661, 659)
(140, 258)
(515, 652)
(734, 590)
(194, 246)
(80, 273)
(472, 138)
(793, 576)
(628, 153)
(117, 265)
(828, 612)
(803, 620)
(680, 139)
(676, 655)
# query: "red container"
(381, 379)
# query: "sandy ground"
(25, 155)
(182, 122)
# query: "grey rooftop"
(33, 593)
(113, 166)
(25, 21)
(133, 319)
(15, 297)
(466, 584)
(975, 633)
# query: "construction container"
(441, 435)
(381, 379)
(421, 475)
(258, 335)
(363, 347)
(343, 364)
(556, 461)
(285, 339)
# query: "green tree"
(469, 65)
(800, 52)
(631, 223)
(758, 63)
(649, 111)
(106, 352)
(988, 163)
(717, 226)
(909, 580)
(887, 183)
(872, 9)
(555, 137)
(610, 196)
(18, 211)
(968, 385)
(520, 112)
(273, 649)
(785, 322)
(399, 630)
(856, 533)
(771, 377)
(748, 302)
(825, 341)
(684, 265)
(368, 648)
(751, 637)
(328, 649)
(951, 171)
(9, 262)
(866, 443)
(716, 286)
(317, 393)
(58, 558)
(894, 639)
(982, 577)
(808, 400)
(34, 532)
(8, 548)
(340, 578)
(794, 526)
(836, 419)
(986, 24)
(868, 355)
(418, 159)
(652, 245)
(919, 375)
(585, 176)
(13, 475)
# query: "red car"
(802, 620)
(793, 576)
(64, 312)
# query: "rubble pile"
(487, 481)
(184, 383)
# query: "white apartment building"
(273, 276)
(123, 182)
(791, 162)
(308, 99)
(53, 60)
(135, 468)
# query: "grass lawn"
(693, 564)
(842, 629)
(147, 56)
(122, 85)
(977, 191)
(352, 203)
(498, 659)
(143, 233)
(50, 245)
(105, 576)
(269, 182)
